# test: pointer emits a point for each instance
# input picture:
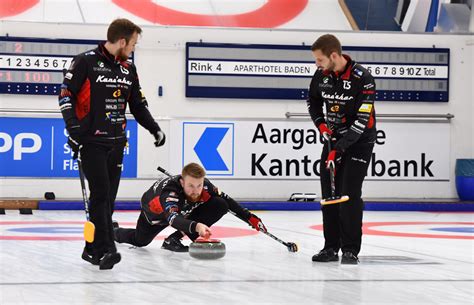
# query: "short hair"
(122, 28)
(194, 170)
(327, 44)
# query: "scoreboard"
(34, 65)
(216, 70)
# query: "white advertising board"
(289, 150)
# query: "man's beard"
(331, 65)
(121, 54)
(194, 198)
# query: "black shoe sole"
(109, 260)
(174, 246)
(182, 250)
(349, 259)
(333, 259)
(351, 262)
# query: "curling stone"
(207, 249)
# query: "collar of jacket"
(114, 59)
(346, 73)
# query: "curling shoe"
(93, 259)
(326, 255)
(349, 258)
(109, 260)
(174, 244)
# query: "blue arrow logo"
(206, 148)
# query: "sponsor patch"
(64, 93)
(64, 100)
(359, 160)
(98, 132)
(365, 108)
(359, 124)
(171, 208)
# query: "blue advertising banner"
(37, 147)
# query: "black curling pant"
(342, 222)
(102, 167)
(207, 213)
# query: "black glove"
(160, 138)
(75, 144)
(256, 223)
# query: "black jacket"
(164, 203)
(349, 101)
(94, 97)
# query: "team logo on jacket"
(103, 79)
(124, 70)
(346, 84)
(339, 97)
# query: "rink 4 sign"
(257, 71)
(36, 147)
